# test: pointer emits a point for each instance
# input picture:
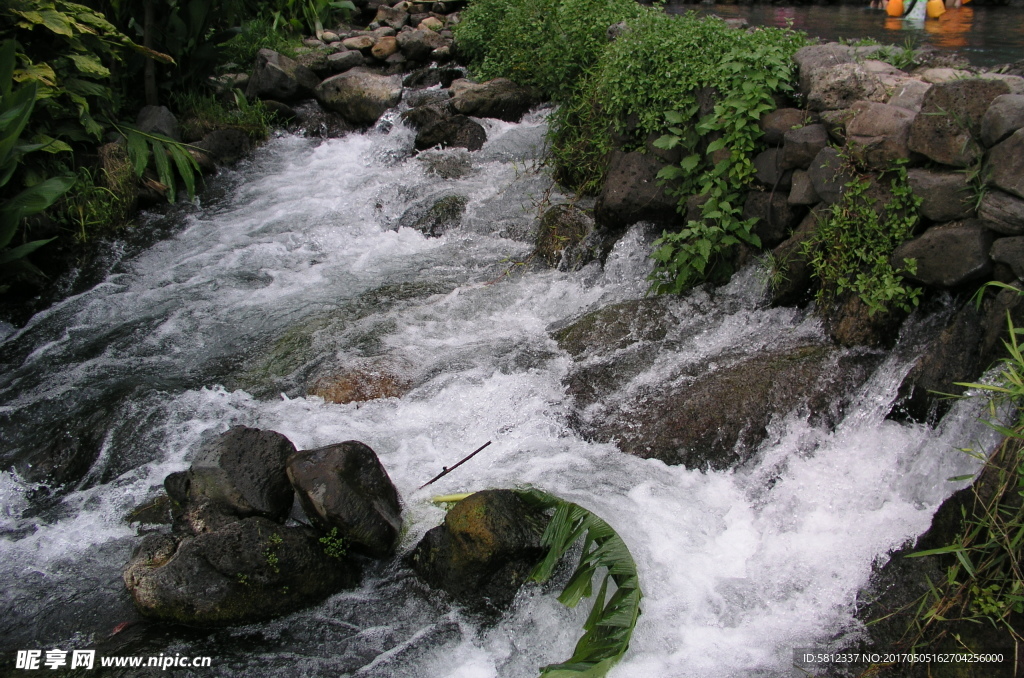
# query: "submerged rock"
(247, 570)
(561, 231)
(344, 487)
(711, 413)
(442, 216)
(717, 419)
(485, 549)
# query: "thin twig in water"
(447, 470)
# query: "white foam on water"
(737, 568)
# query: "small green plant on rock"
(334, 546)
(270, 554)
(851, 249)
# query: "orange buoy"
(894, 8)
(935, 8)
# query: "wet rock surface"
(483, 552)
(344, 487)
(245, 571)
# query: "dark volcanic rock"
(499, 98)
(277, 77)
(344, 487)
(954, 355)
(457, 131)
(945, 196)
(949, 125)
(1007, 162)
(442, 216)
(632, 192)
(948, 255)
(249, 570)
(483, 552)
(561, 230)
(242, 473)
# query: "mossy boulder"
(560, 237)
(484, 551)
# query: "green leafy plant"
(985, 580)
(143, 146)
(16, 106)
(274, 542)
(200, 113)
(334, 546)
(610, 624)
(850, 251)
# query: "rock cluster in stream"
(260, 529)
(233, 554)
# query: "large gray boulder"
(339, 62)
(1010, 251)
(1004, 117)
(792, 279)
(948, 255)
(277, 77)
(686, 423)
(484, 551)
(842, 85)
(952, 355)
(681, 420)
(774, 216)
(360, 95)
(632, 192)
(770, 171)
(909, 94)
(878, 133)
(949, 125)
(945, 195)
(499, 98)
(776, 123)
(160, 120)
(1007, 162)
(344, 487)
(242, 473)
(457, 131)
(246, 571)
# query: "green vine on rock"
(851, 249)
(745, 81)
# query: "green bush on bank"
(646, 81)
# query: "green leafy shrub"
(200, 113)
(16, 106)
(649, 80)
(850, 251)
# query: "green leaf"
(138, 151)
(690, 162)
(89, 65)
(22, 251)
(163, 167)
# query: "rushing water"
(300, 269)
(985, 35)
